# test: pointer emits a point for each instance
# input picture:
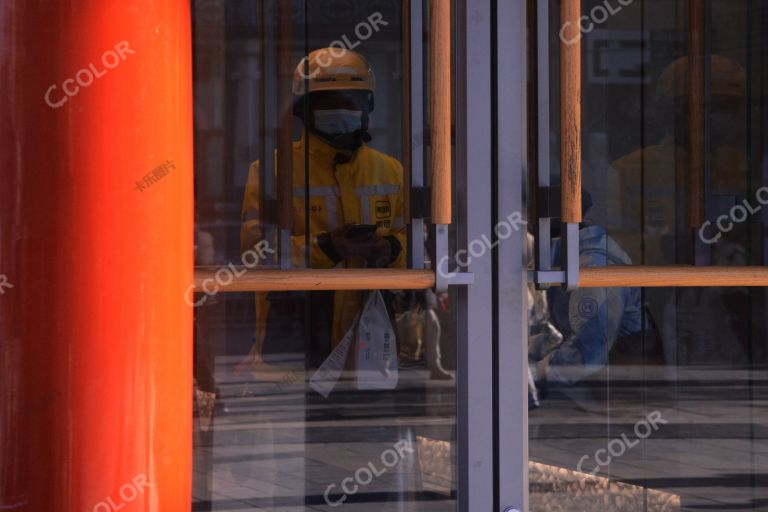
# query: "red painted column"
(96, 213)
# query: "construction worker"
(658, 174)
(354, 203)
(656, 177)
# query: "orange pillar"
(96, 219)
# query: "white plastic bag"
(325, 378)
(375, 350)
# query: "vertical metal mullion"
(268, 178)
(284, 45)
(544, 224)
(417, 126)
(268, 126)
(511, 296)
(702, 252)
(307, 142)
(475, 344)
(704, 255)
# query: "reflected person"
(354, 203)
(590, 319)
(654, 179)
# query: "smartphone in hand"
(360, 231)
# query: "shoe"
(543, 340)
(533, 402)
(533, 398)
(539, 371)
(440, 374)
(206, 402)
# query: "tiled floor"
(277, 447)
(711, 451)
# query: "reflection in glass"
(311, 400)
(638, 395)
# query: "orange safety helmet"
(334, 69)
(727, 78)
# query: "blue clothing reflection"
(591, 319)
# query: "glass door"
(332, 366)
(646, 344)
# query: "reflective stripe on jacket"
(368, 189)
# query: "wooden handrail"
(696, 113)
(223, 280)
(285, 117)
(671, 276)
(264, 280)
(440, 108)
(570, 115)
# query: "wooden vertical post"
(440, 109)
(570, 115)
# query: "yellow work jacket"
(368, 189)
(658, 175)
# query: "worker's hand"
(375, 249)
(348, 246)
(380, 253)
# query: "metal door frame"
(475, 398)
(510, 295)
(491, 165)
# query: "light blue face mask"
(338, 121)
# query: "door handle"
(570, 275)
(570, 170)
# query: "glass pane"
(312, 400)
(653, 399)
